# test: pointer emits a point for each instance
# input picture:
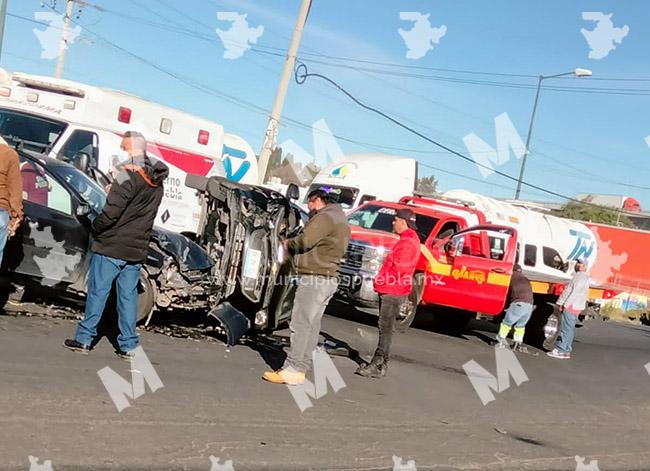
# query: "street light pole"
(530, 132)
(577, 73)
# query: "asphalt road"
(54, 406)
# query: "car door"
(51, 244)
(472, 270)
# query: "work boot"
(501, 343)
(284, 376)
(75, 346)
(375, 369)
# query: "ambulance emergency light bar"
(48, 86)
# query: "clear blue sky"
(582, 142)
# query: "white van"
(73, 121)
(358, 178)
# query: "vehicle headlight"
(372, 260)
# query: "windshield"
(381, 218)
(35, 133)
(90, 191)
(345, 196)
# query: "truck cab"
(359, 178)
(455, 258)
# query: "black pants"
(389, 306)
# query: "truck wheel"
(145, 297)
(410, 307)
(544, 326)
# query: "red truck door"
(472, 270)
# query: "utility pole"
(63, 45)
(274, 120)
(3, 15)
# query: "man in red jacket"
(393, 284)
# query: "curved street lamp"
(577, 73)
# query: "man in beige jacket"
(11, 194)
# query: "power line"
(459, 71)
(247, 105)
(491, 83)
(302, 74)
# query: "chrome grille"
(353, 257)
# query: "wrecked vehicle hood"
(189, 255)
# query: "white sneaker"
(556, 353)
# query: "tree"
(427, 185)
(596, 214)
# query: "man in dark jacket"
(393, 283)
(520, 299)
(121, 240)
(318, 252)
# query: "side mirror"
(82, 210)
(293, 192)
(82, 161)
(450, 250)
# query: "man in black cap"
(393, 284)
(317, 255)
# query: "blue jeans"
(103, 271)
(4, 230)
(567, 332)
(518, 314)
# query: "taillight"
(5, 91)
(69, 104)
(204, 137)
(124, 115)
(32, 97)
(609, 294)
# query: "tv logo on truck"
(585, 245)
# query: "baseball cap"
(408, 215)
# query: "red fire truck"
(469, 245)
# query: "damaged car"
(234, 271)
(50, 252)
(241, 228)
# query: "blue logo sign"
(584, 245)
(228, 167)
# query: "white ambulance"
(81, 123)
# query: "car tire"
(146, 297)
(410, 307)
